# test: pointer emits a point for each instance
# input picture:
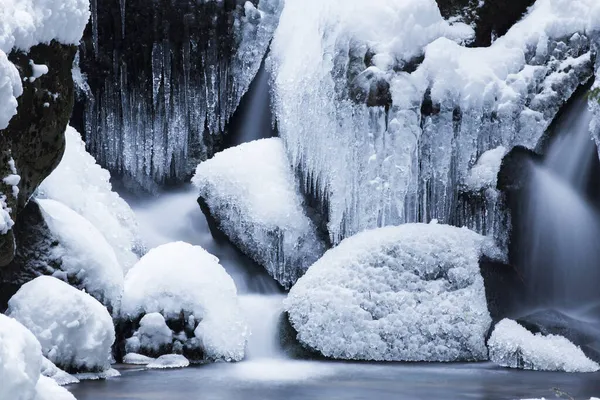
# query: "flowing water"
(562, 266)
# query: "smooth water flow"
(563, 227)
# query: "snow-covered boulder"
(50, 370)
(513, 346)
(75, 331)
(251, 192)
(169, 361)
(87, 260)
(407, 293)
(196, 298)
(48, 389)
(82, 185)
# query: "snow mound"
(48, 389)
(88, 261)
(193, 292)
(513, 346)
(94, 376)
(137, 359)
(84, 186)
(20, 360)
(484, 174)
(407, 293)
(169, 361)
(58, 375)
(251, 191)
(152, 337)
(75, 331)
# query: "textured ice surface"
(84, 186)
(513, 346)
(407, 293)
(52, 371)
(251, 192)
(386, 115)
(185, 282)
(76, 331)
(169, 361)
(149, 124)
(88, 261)
(137, 359)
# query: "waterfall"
(562, 264)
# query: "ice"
(484, 174)
(87, 259)
(37, 70)
(81, 184)
(94, 376)
(137, 359)
(48, 389)
(169, 361)
(6, 222)
(251, 191)
(20, 360)
(152, 336)
(153, 125)
(75, 331)
(58, 375)
(396, 145)
(407, 293)
(513, 346)
(10, 89)
(189, 287)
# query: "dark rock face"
(493, 19)
(290, 345)
(551, 322)
(35, 136)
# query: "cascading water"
(562, 266)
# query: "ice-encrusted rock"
(251, 192)
(82, 185)
(137, 359)
(50, 370)
(380, 164)
(75, 331)
(153, 336)
(87, 260)
(147, 121)
(169, 361)
(196, 297)
(407, 293)
(513, 346)
(47, 389)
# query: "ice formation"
(48, 389)
(152, 336)
(58, 375)
(189, 287)
(251, 191)
(75, 331)
(407, 293)
(385, 115)
(513, 346)
(26, 23)
(169, 361)
(155, 123)
(137, 359)
(81, 184)
(87, 260)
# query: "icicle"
(122, 4)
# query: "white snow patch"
(484, 173)
(137, 359)
(152, 335)
(407, 293)
(58, 375)
(6, 222)
(513, 346)
(47, 389)
(178, 277)
(251, 191)
(169, 361)
(95, 376)
(75, 331)
(86, 256)
(37, 70)
(84, 186)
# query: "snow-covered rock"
(48, 389)
(58, 375)
(407, 293)
(87, 260)
(513, 346)
(153, 336)
(251, 191)
(196, 297)
(169, 361)
(137, 359)
(84, 186)
(403, 159)
(75, 331)
(484, 174)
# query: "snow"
(58, 375)
(152, 336)
(13, 179)
(181, 280)
(26, 23)
(251, 191)
(137, 359)
(94, 376)
(6, 222)
(75, 331)
(48, 389)
(169, 361)
(484, 173)
(86, 257)
(513, 346)
(404, 160)
(84, 186)
(38, 70)
(407, 293)
(20, 360)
